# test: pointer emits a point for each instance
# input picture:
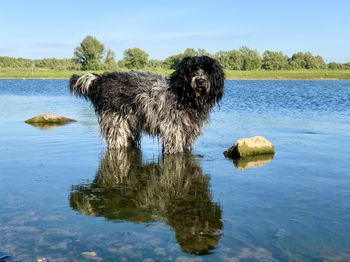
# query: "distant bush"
(274, 61)
(251, 60)
(242, 59)
(57, 64)
(47, 63)
(335, 66)
(91, 55)
(171, 61)
(230, 59)
(306, 60)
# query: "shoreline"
(230, 74)
(228, 78)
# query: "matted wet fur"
(174, 109)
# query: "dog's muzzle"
(200, 85)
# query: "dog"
(172, 108)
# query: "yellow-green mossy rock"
(49, 119)
(252, 146)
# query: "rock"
(46, 121)
(252, 146)
(49, 119)
(89, 254)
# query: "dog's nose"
(200, 81)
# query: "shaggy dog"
(174, 109)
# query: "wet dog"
(174, 109)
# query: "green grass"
(37, 73)
(230, 74)
(289, 74)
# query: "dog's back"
(126, 82)
(117, 91)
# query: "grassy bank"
(260, 74)
(289, 74)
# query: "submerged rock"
(47, 121)
(252, 146)
(89, 254)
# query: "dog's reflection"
(173, 190)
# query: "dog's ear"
(180, 80)
(217, 77)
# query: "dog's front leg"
(174, 140)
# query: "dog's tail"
(80, 85)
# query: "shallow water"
(62, 194)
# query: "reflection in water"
(253, 161)
(173, 191)
(48, 126)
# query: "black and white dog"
(174, 108)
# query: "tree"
(230, 59)
(320, 63)
(172, 61)
(274, 60)
(345, 66)
(235, 60)
(189, 52)
(310, 61)
(201, 52)
(109, 62)
(334, 66)
(135, 58)
(306, 61)
(155, 63)
(223, 58)
(297, 60)
(89, 54)
(251, 59)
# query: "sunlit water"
(62, 195)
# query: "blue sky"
(43, 28)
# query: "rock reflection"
(47, 126)
(173, 190)
(253, 161)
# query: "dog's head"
(198, 79)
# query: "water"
(62, 195)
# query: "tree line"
(92, 55)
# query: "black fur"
(174, 108)
(180, 79)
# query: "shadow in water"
(172, 190)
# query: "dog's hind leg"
(118, 131)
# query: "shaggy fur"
(175, 108)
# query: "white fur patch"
(83, 83)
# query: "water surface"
(62, 194)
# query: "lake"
(65, 198)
